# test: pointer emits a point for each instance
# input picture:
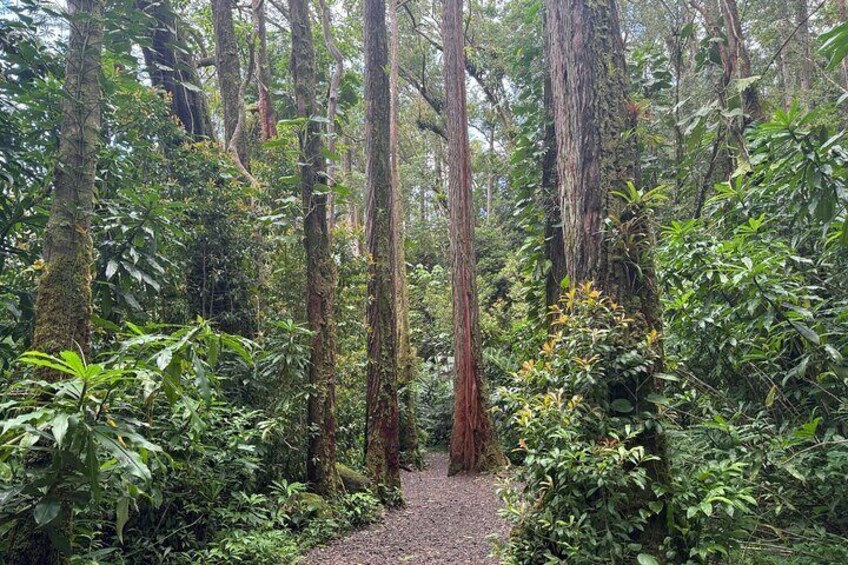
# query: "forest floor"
(446, 521)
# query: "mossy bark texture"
(382, 451)
(597, 155)
(229, 78)
(63, 306)
(474, 444)
(320, 269)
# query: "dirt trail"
(447, 521)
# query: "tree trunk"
(738, 58)
(170, 68)
(594, 158)
(406, 361)
(805, 76)
(63, 306)
(267, 119)
(352, 206)
(554, 244)
(493, 177)
(382, 452)
(229, 79)
(320, 269)
(332, 105)
(474, 444)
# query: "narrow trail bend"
(446, 521)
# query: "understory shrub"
(587, 483)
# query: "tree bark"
(738, 63)
(229, 79)
(406, 361)
(805, 76)
(332, 106)
(382, 452)
(320, 268)
(554, 243)
(474, 445)
(596, 155)
(267, 118)
(493, 176)
(63, 306)
(170, 68)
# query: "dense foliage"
(183, 436)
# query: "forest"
(427, 282)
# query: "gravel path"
(446, 521)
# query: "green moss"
(312, 505)
(352, 481)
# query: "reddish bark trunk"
(474, 445)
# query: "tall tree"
(267, 119)
(596, 155)
(63, 306)
(320, 269)
(406, 363)
(229, 80)
(332, 105)
(382, 453)
(474, 444)
(170, 68)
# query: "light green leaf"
(46, 511)
(122, 513)
(645, 559)
(60, 427)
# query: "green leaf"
(60, 427)
(46, 511)
(122, 513)
(621, 405)
(806, 331)
(645, 559)
(40, 359)
(771, 396)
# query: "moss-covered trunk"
(474, 445)
(63, 306)
(229, 79)
(597, 155)
(320, 269)
(382, 452)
